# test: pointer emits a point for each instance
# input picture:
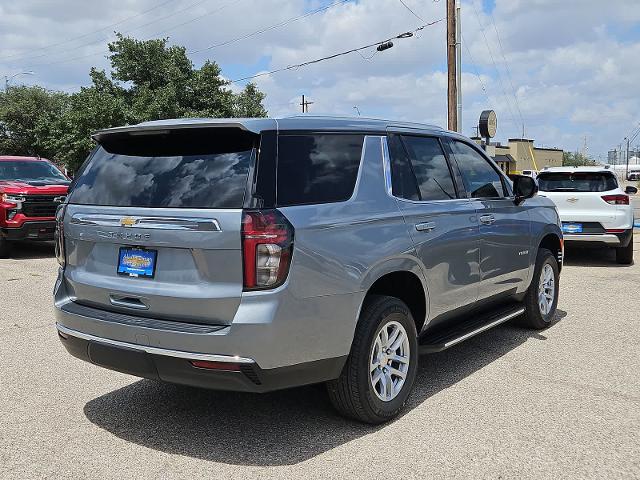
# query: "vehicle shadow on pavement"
(591, 257)
(279, 428)
(31, 250)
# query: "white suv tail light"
(618, 199)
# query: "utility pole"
(459, 69)
(452, 82)
(305, 105)
(626, 173)
(619, 150)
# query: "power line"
(268, 28)
(226, 42)
(495, 66)
(412, 12)
(103, 39)
(475, 67)
(206, 14)
(335, 55)
(506, 65)
(46, 47)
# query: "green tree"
(576, 159)
(27, 118)
(249, 102)
(149, 80)
(92, 108)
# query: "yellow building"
(520, 154)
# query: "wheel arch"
(553, 242)
(401, 278)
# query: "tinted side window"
(430, 168)
(480, 178)
(319, 168)
(403, 181)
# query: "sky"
(568, 71)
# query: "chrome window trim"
(151, 223)
(386, 162)
(153, 350)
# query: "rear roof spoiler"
(163, 126)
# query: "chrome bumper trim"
(592, 237)
(153, 350)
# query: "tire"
(535, 315)
(355, 394)
(624, 255)
(4, 247)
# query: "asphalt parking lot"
(511, 403)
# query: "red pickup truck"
(30, 191)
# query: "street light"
(8, 79)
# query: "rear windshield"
(194, 168)
(317, 168)
(30, 171)
(577, 182)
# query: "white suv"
(592, 206)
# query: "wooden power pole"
(452, 83)
(305, 105)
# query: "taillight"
(59, 236)
(616, 199)
(267, 244)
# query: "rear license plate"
(572, 228)
(137, 262)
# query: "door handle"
(425, 226)
(487, 219)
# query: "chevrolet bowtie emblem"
(572, 199)
(127, 222)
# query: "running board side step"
(442, 339)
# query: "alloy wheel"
(546, 289)
(389, 362)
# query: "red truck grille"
(40, 205)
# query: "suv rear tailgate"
(152, 227)
(198, 270)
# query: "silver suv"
(263, 254)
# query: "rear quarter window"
(317, 168)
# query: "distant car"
(633, 176)
(30, 191)
(530, 173)
(592, 206)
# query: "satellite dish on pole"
(488, 124)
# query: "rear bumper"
(606, 239)
(231, 373)
(38, 230)
(288, 341)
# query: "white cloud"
(572, 63)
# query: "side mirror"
(524, 187)
(630, 190)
